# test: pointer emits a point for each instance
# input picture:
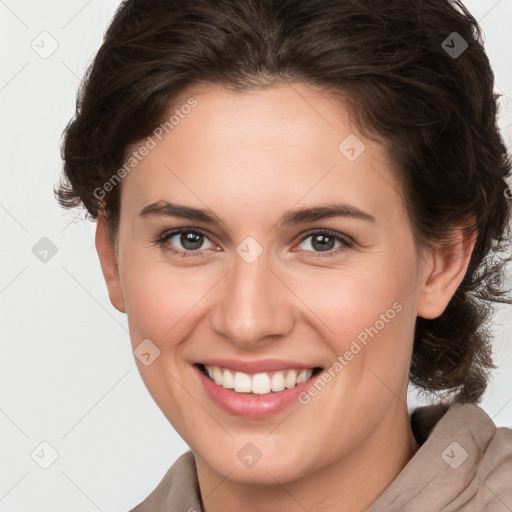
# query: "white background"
(67, 373)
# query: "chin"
(245, 463)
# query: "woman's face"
(296, 253)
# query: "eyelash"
(163, 242)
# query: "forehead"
(279, 144)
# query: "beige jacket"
(464, 464)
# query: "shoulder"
(178, 489)
(478, 455)
(464, 463)
(494, 471)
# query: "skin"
(340, 451)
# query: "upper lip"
(263, 365)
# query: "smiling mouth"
(258, 383)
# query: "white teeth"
(242, 383)
(228, 381)
(217, 375)
(277, 382)
(259, 383)
(303, 376)
(291, 379)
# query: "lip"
(264, 365)
(249, 405)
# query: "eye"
(185, 242)
(325, 241)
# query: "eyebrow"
(164, 208)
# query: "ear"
(447, 268)
(108, 263)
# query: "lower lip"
(252, 406)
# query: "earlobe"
(447, 270)
(109, 266)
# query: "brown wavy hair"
(388, 60)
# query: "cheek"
(367, 316)
(159, 300)
(349, 301)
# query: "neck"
(352, 483)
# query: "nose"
(255, 304)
